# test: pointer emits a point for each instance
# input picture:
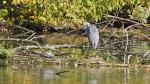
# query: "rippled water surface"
(60, 74)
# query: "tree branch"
(120, 19)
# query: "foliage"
(59, 11)
(5, 53)
(139, 10)
(5, 50)
(140, 14)
(77, 11)
(3, 13)
(68, 11)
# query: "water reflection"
(49, 74)
(46, 74)
(93, 81)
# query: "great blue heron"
(93, 34)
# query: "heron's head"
(85, 25)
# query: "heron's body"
(93, 34)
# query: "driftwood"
(134, 24)
(29, 39)
(121, 19)
(30, 43)
(50, 47)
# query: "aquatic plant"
(5, 53)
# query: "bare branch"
(126, 47)
(41, 36)
(110, 37)
(17, 26)
(30, 37)
(121, 19)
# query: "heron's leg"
(86, 52)
(92, 52)
(96, 52)
(84, 49)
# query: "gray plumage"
(93, 34)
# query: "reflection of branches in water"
(126, 75)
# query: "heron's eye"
(84, 27)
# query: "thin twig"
(41, 36)
(146, 36)
(30, 37)
(121, 19)
(110, 36)
(23, 34)
(17, 26)
(127, 43)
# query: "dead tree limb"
(28, 31)
(51, 47)
(26, 40)
(120, 19)
(17, 26)
(126, 46)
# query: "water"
(62, 74)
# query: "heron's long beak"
(82, 27)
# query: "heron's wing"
(94, 32)
(93, 29)
(93, 36)
(91, 39)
